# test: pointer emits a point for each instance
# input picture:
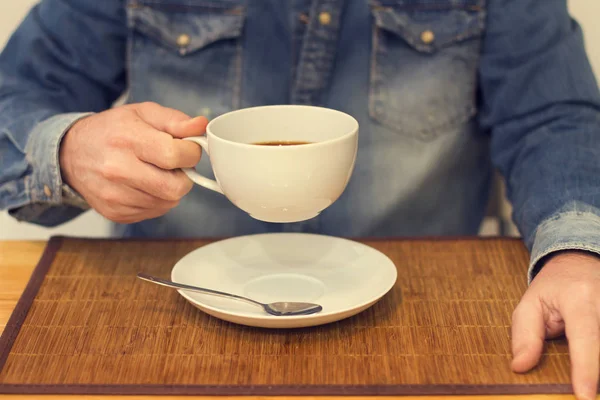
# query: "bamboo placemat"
(86, 325)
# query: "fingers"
(528, 333)
(124, 204)
(135, 198)
(565, 296)
(171, 121)
(555, 325)
(583, 334)
(155, 183)
(193, 127)
(529, 329)
(161, 150)
(155, 136)
(167, 185)
(131, 215)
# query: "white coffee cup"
(286, 183)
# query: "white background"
(587, 12)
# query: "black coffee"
(281, 143)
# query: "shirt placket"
(315, 62)
(317, 55)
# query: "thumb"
(528, 334)
(171, 121)
(191, 127)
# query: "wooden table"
(17, 261)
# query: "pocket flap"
(186, 29)
(427, 27)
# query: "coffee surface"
(281, 143)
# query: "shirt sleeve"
(541, 104)
(64, 62)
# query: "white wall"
(91, 224)
(586, 12)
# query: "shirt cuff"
(45, 184)
(576, 227)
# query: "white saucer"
(343, 276)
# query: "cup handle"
(191, 172)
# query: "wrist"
(65, 152)
(569, 255)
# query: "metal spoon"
(280, 308)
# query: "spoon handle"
(175, 285)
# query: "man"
(442, 91)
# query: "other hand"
(563, 298)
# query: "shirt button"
(183, 40)
(325, 18)
(47, 191)
(427, 37)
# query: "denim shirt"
(444, 91)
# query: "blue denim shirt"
(444, 91)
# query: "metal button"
(184, 40)
(427, 37)
(47, 191)
(325, 18)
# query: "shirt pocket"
(186, 55)
(424, 63)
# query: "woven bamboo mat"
(85, 325)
